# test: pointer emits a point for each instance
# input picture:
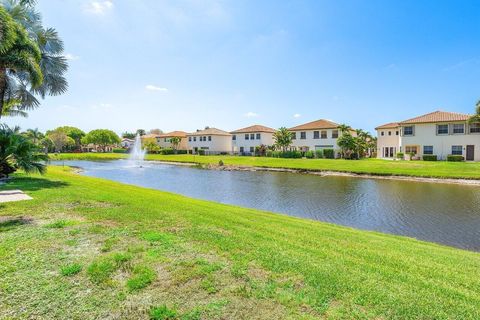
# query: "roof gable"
(318, 124)
(437, 116)
(254, 128)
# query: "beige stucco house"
(164, 140)
(210, 140)
(316, 135)
(438, 133)
(246, 139)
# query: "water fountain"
(137, 154)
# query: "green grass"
(70, 269)
(430, 169)
(173, 256)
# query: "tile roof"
(390, 125)
(181, 134)
(209, 131)
(319, 124)
(438, 116)
(254, 128)
(149, 136)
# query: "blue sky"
(183, 65)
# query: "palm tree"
(282, 138)
(476, 117)
(17, 152)
(344, 128)
(175, 141)
(32, 64)
(34, 135)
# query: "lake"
(443, 213)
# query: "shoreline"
(327, 173)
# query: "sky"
(187, 64)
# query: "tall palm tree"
(45, 75)
(34, 135)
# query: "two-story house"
(210, 140)
(164, 140)
(316, 135)
(245, 140)
(437, 133)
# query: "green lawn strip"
(428, 169)
(140, 249)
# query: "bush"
(455, 158)
(182, 151)
(310, 154)
(162, 313)
(430, 157)
(400, 155)
(166, 151)
(329, 153)
(119, 150)
(201, 152)
(318, 154)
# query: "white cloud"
(99, 7)
(251, 114)
(151, 87)
(297, 115)
(70, 56)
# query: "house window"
(252, 136)
(252, 149)
(234, 137)
(316, 134)
(382, 133)
(303, 135)
(242, 150)
(247, 137)
(411, 149)
(323, 134)
(457, 150)
(190, 139)
(427, 149)
(396, 133)
(194, 138)
(389, 133)
(209, 138)
(259, 136)
(294, 135)
(442, 129)
(475, 127)
(459, 128)
(408, 131)
(334, 134)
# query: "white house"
(210, 140)
(164, 140)
(246, 139)
(438, 133)
(127, 143)
(316, 135)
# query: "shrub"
(455, 158)
(318, 154)
(201, 152)
(400, 155)
(310, 154)
(119, 150)
(329, 153)
(162, 313)
(269, 153)
(220, 163)
(182, 151)
(166, 151)
(70, 269)
(430, 157)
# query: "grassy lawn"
(439, 169)
(89, 248)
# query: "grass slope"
(92, 248)
(434, 169)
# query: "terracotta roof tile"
(254, 128)
(319, 124)
(180, 134)
(437, 116)
(209, 131)
(390, 125)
